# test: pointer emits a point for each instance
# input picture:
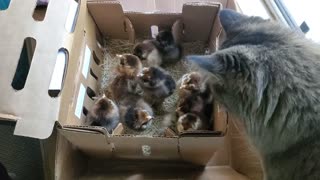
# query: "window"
(301, 14)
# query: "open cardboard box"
(65, 49)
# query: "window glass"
(306, 15)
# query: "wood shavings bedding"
(114, 47)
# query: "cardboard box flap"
(92, 143)
(109, 18)
(115, 25)
(142, 22)
(31, 102)
(201, 133)
(142, 147)
(199, 27)
(192, 150)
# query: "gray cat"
(269, 76)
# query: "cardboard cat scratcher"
(63, 53)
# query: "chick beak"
(183, 87)
(119, 56)
(178, 109)
(140, 75)
(95, 98)
(149, 118)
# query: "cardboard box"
(65, 49)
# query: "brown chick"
(156, 84)
(125, 80)
(103, 113)
(195, 96)
(129, 65)
(191, 104)
(135, 113)
(191, 122)
(149, 50)
(191, 83)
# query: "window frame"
(282, 14)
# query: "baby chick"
(191, 104)
(129, 65)
(135, 112)
(125, 80)
(191, 122)
(103, 113)
(156, 84)
(149, 50)
(162, 50)
(190, 83)
(195, 96)
(171, 51)
(195, 83)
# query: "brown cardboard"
(72, 164)
(126, 146)
(79, 146)
(32, 105)
(244, 157)
(115, 27)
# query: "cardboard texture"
(32, 105)
(82, 149)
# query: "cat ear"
(220, 63)
(261, 84)
(228, 17)
(210, 63)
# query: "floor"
(21, 155)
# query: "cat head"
(239, 67)
(252, 30)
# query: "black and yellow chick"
(156, 84)
(104, 113)
(135, 113)
(150, 51)
(125, 80)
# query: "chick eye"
(136, 115)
